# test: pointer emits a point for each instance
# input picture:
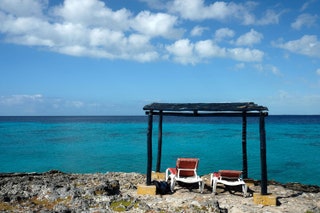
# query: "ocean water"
(118, 143)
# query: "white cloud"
(304, 20)
(275, 70)
(93, 13)
(23, 8)
(104, 37)
(89, 28)
(197, 30)
(240, 66)
(307, 45)
(270, 17)
(249, 38)
(75, 104)
(23, 104)
(222, 11)
(182, 50)
(159, 24)
(186, 52)
(307, 4)
(18, 26)
(39, 104)
(245, 54)
(197, 10)
(20, 99)
(318, 71)
(268, 68)
(76, 30)
(223, 33)
(207, 49)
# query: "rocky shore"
(55, 191)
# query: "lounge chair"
(185, 171)
(229, 178)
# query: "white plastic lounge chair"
(185, 171)
(229, 178)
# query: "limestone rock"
(55, 191)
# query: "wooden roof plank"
(210, 107)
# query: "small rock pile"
(55, 191)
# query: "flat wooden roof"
(205, 107)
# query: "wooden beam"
(159, 143)
(202, 114)
(263, 156)
(244, 146)
(234, 107)
(149, 148)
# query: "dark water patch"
(316, 144)
(293, 119)
(115, 134)
(296, 135)
(276, 171)
(179, 134)
(293, 164)
(64, 139)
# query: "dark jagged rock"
(108, 188)
(302, 188)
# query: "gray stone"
(55, 191)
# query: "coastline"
(117, 191)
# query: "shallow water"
(118, 143)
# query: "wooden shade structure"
(244, 110)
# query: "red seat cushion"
(187, 163)
(231, 174)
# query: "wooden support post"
(244, 146)
(263, 156)
(149, 148)
(159, 143)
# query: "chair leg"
(201, 186)
(167, 175)
(173, 182)
(214, 185)
(244, 190)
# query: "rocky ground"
(55, 191)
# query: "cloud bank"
(90, 28)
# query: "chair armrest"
(172, 171)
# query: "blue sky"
(112, 57)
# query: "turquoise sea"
(118, 143)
